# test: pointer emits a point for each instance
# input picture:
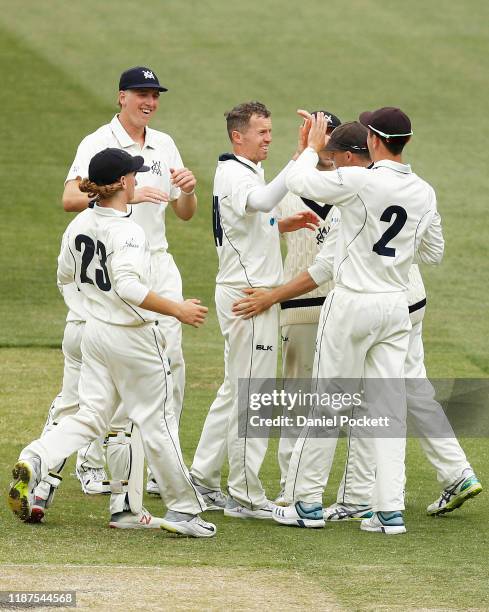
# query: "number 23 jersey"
(105, 253)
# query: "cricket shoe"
(38, 509)
(26, 475)
(455, 495)
(93, 481)
(300, 514)
(142, 520)
(152, 487)
(188, 525)
(214, 500)
(390, 523)
(235, 510)
(347, 512)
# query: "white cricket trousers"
(252, 353)
(429, 421)
(359, 336)
(128, 364)
(298, 343)
(211, 451)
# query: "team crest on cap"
(148, 74)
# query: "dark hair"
(238, 118)
(394, 145)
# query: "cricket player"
(106, 254)
(246, 232)
(364, 326)
(167, 182)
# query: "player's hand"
(149, 194)
(305, 219)
(303, 132)
(183, 178)
(255, 302)
(192, 312)
(317, 138)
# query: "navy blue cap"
(107, 166)
(139, 77)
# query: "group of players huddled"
(356, 221)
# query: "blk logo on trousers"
(262, 347)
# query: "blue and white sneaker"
(390, 523)
(347, 512)
(300, 514)
(455, 495)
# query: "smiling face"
(138, 106)
(254, 141)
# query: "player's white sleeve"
(66, 262)
(333, 187)
(321, 270)
(128, 265)
(266, 197)
(79, 168)
(431, 245)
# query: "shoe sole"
(346, 519)
(459, 500)
(37, 514)
(384, 529)
(242, 515)
(114, 525)
(298, 522)
(189, 532)
(18, 495)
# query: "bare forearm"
(303, 283)
(185, 206)
(161, 305)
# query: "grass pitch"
(61, 65)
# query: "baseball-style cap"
(110, 164)
(388, 122)
(333, 120)
(139, 77)
(351, 136)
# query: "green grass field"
(60, 67)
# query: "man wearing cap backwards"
(167, 181)
(107, 255)
(388, 216)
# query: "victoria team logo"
(156, 168)
(148, 74)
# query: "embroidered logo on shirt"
(321, 235)
(130, 243)
(148, 74)
(156, 168)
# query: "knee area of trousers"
(116, 438)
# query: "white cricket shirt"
(247, 241)
(160, 154)
(388, 214)
(105, 253)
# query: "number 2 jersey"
(105, 253)
(388, 220)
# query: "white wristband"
(188, 193)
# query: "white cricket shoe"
(195, 527)
(300, 514)
(235, 510)
(347, 512)
(143, 520)
(26, 474)
(214, 500)
(455, 495)
(92, 480)
(152, 487)
(390, 523)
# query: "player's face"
(130, 185)
(341, 158)
(139, 105)
(255, 141)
